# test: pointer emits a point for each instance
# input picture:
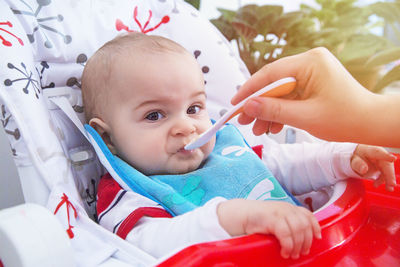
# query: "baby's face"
(157, 107)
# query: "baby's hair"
(98, 69)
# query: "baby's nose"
(183, 127)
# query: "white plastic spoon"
(275, 89)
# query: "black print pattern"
(204, 69)
(91, 192)
(5, 119)
(45, 66)
(74, 82)
(27, 77)
(41, 22)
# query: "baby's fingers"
(379, 153)
(359, 165)
(387, 175)
(314, 224)
(285, 237)
(299, 227)
(314, 231)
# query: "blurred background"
(209, 7)
(364, 35)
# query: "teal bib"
(232, 170)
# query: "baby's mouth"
(182, 150)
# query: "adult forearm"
(384, 121)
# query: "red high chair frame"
(361, 228)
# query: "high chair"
(44, 46)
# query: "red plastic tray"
(361, 228)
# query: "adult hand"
(327, 102)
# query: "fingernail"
(253, 108)
(363, 169)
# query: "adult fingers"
(285, 67)
(260, 127)
(244, 119)
(275, 127)
(281, 111)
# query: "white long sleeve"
(161, 236)
(306, 167)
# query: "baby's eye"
(193, 109)
(154, 116)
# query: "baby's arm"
(148, 225)
(162, 236)
(306, 167)
(294, 227)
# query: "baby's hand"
(293, 226)
(368, 160)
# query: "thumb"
(284, 111)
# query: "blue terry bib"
(232, 170)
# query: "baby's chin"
(184, 169)
(175, 170)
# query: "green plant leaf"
(356, 19)
(286, 21)
(342, 26)
(391, 76)
(290, 51)
(302, 33)
(244, 30)
(362, 46)
(247, 16)
(384, 57)
(227, 14)
(225, 28)
(249, 8)
(387, 10)
(195, 3)
(266, 10)
(264, 47)
(265, 24)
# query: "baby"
(146, 98)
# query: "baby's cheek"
(157, 153)
(141, 152)
(208, 148)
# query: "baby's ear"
(104, 131)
